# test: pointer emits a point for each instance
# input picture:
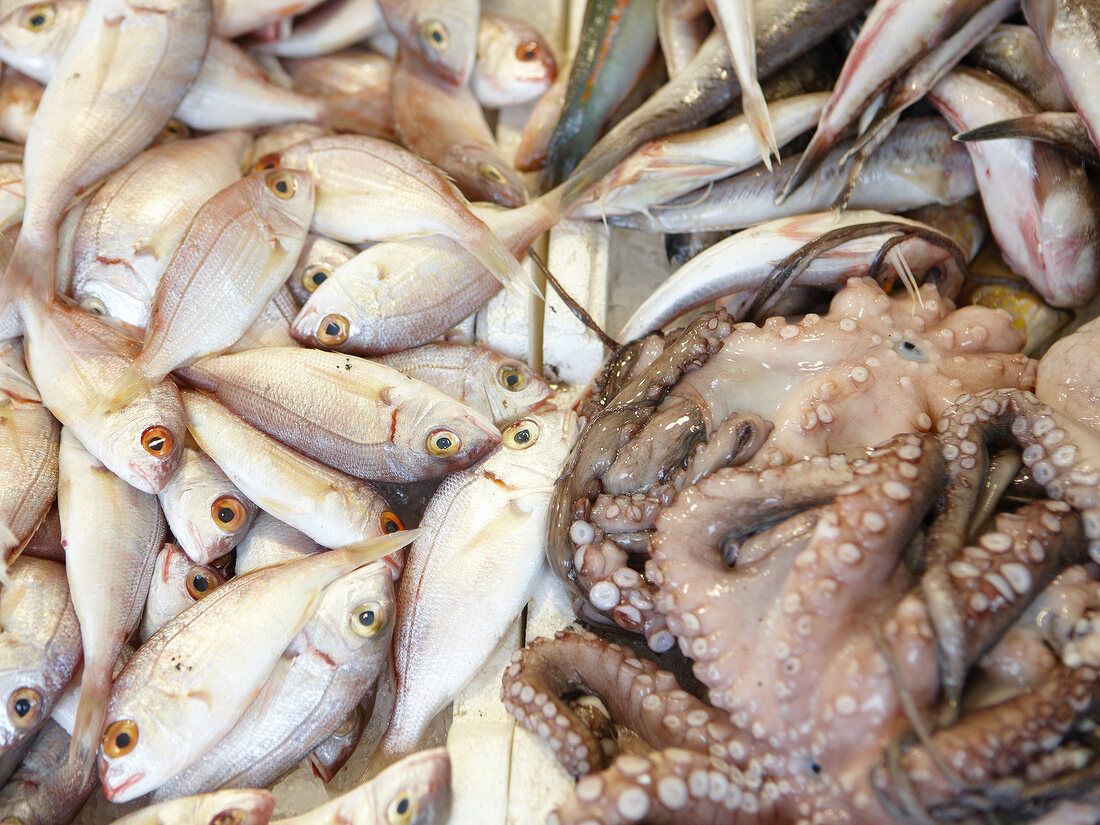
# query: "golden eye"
(314, 277)
(24, 707)
(93, 305)
(282, 183)
(521, 435)
(230, 816)
(400, 811)
(228, 513)
(512, 378)
(175, 129)
(349, 725)
(266, 162)
(157, 441)
(528, 51)
(367, 619)
(487, 170)
(434, 35)
(333, 330)
(391, 523)
(120, 738)
(201, 580)
(11, 820)
(443, 443)
(37, 18)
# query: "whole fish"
(484, 532)
(446, 126)
(330, 664)
(1016, 55)
(329, 27)
(387, 426)
(39, 646)
(617, 39)
(441, 33)
(414, 791)
(1070, 35)
(207, 513)
(271, 542)
(115, 86)
(253, 229)
(330, 507)
(1046, 228)
(231, 807)
(28, 452)
(514, 63)
(177, 584)
(368, 189)
(112, 534)
(135, 222)
(493, 384)
(185, 688)
(48, 787)
(320, 256)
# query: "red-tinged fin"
(95, 688)
(760, 123)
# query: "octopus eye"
(400, 811)
(201, 580)
(38, 18)
(391, 523)
(367, 619)
(158, 441)
(24, 707)
(333, 330)
(93, 305)
(909, 350)
(443, 443)
(490, 172)
(512, 378)
(434, 35)
(528, 51)
(230, 816)
(121, 738)
(521, 435)
(314, 277)
(266, 162)
(228, 513)
(282, 184)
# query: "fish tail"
(90, 714)
(760, 122)
(131, 384)
(30, 273)
(368, 550)
(504, 266)
(811, 159)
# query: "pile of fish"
(235, 240)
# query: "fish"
(206, 512)
(681, 28)
(269, 542)
(514, 63)
(446, 126)
(386, 426)
(1015, 54)
(495, 385)
(441, 33)
(332, 753)
(47, 788)
(368, 189)
(352, 80)
(177, 583)
(534, 140)
(484, 532)
(617, 40)
(29, 439)
(320, 256)
(185, 688)
(231, 807)
(329, 27)
(1046, 229)
(34, 36)
(39, 646)
(135, 222)
(112, 533)
(1066, 130)
(331, 507)
(19, 100)
(335, 658)
(274, 140)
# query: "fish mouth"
(112, 792)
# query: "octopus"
(877, 638)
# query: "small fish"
(320, 256)
(48, 787)
(329, 27)
(493, 384)
(514, 63)
(441, 33)
(229, 807)
(270, 542)
(177, 584)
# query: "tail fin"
(504, 266)
(91, 711)
(760, 121)
(129, 386)
(30, 273)
(811, 159)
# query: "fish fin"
(8, 543)
(362, 113)
(811, 159)
(30, 273)
(368, 550)
(129, 386)
(760, 123)
(504, 266)
(90, 714)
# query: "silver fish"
(239, 807)
(48, 787)
(271, 542)
(177, 584)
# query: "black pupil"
(156, 443)
(528, 54)
(909, 345)
(332, 329)
(403, 806)
(281, 186)
(391, 526)
(122, 740)
(512, 379)
(437, 36)
(319, 276)
(366, 618)
(38, 20)
(22, 706)
(201, 584)
(443, 443)
(522, 437)
(225, 515)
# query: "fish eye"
(521, 435)
(512, 378)
(314, 277)
(443, 443)
(489, 171)
(333, 330)
(434, 35)
(282, 183)
(24, 707)
(347, 727)
(528, 51)
(201, 580)
(367, 619)
(400, 811)
(391, 523)
(266, 162)
(93, 305)
(230, 816)
(934, 274)
(228, 513)
(175, 129)
(120, 738)
(157, 441)
(38, 18)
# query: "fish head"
(356, 617)
(319, 259)
(109, 290)
(283, 199)
(488, 177)
(177, 584)
(534, 448)
(26, 694)
(328, 320)
(239, 806)
(33, 36)
(142, 442)
(448, 41)
(414, 791)
(435, 434)
(514, 63)
(509, 385)
(139, 751)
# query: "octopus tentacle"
(619, 591)
(662, 444)
(636, 692)
(622, 513)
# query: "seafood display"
(362, 461)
